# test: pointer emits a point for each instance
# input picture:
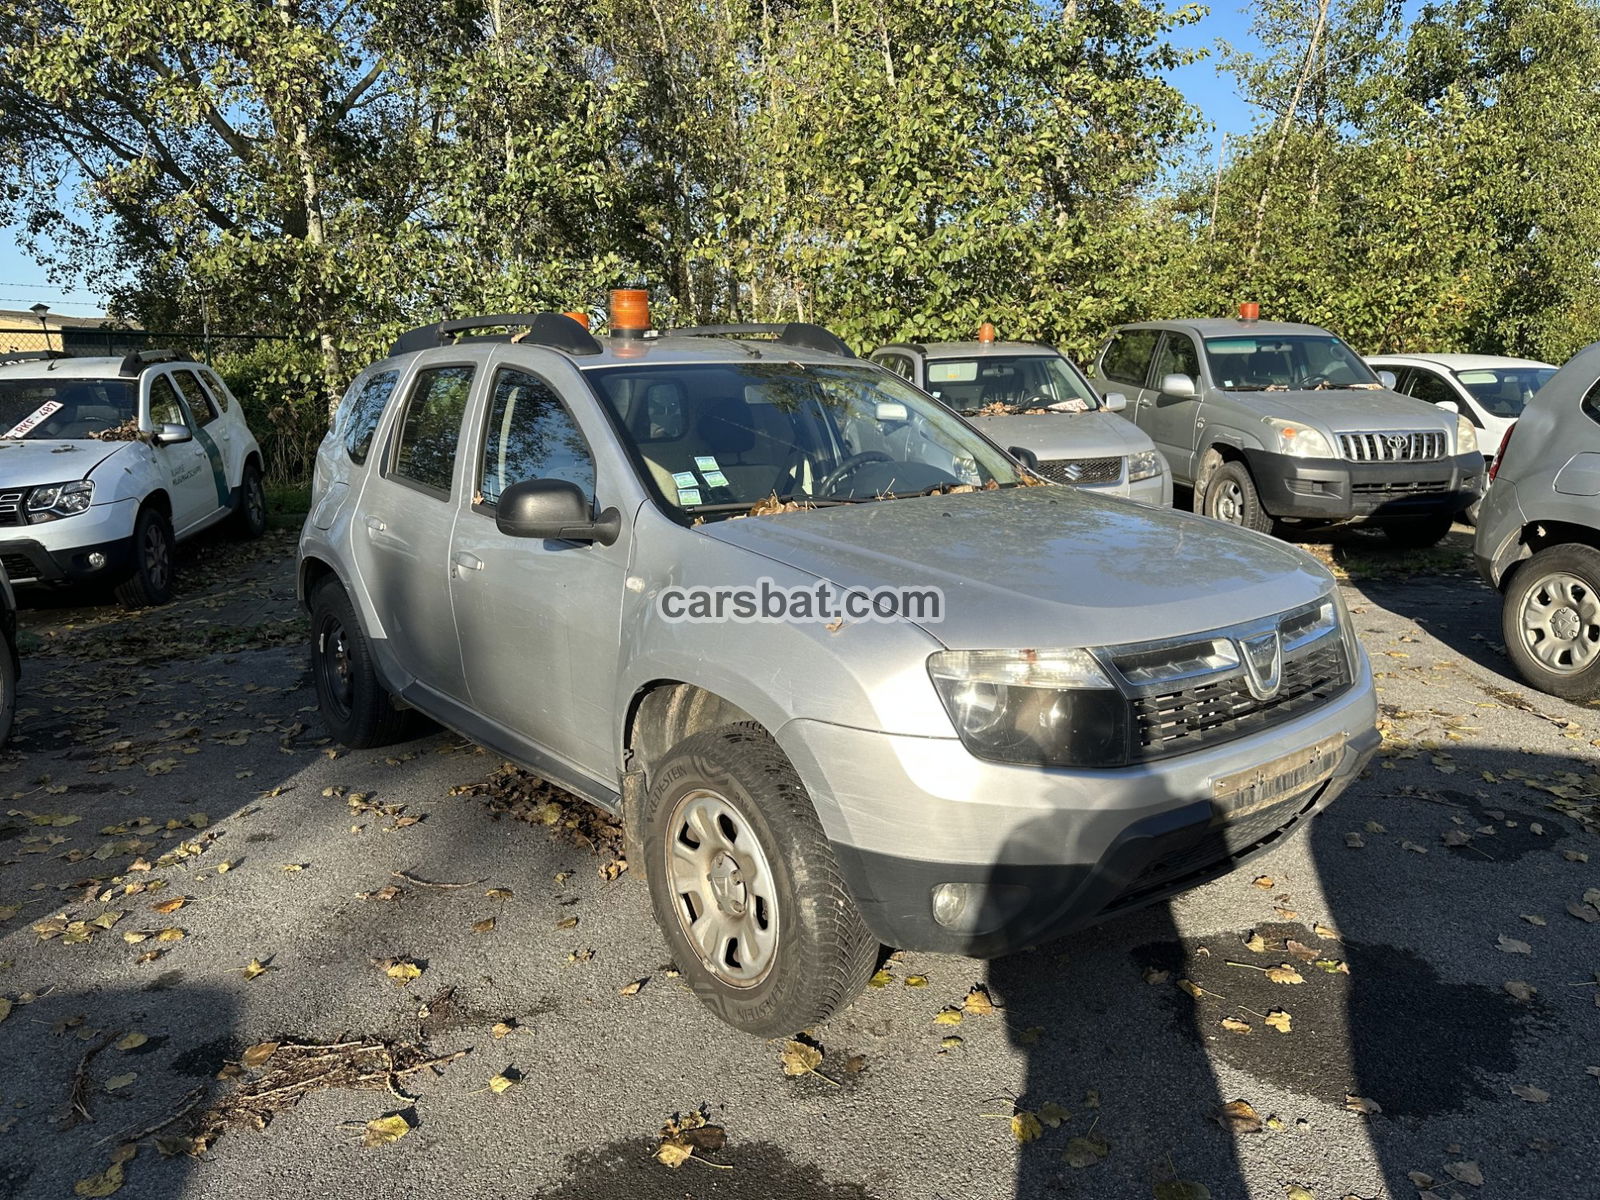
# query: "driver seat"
(752, 457)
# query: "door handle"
(465, 560)
(376, 525)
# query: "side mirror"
(1388, 379)
(171, 435)
(1450, 406)
(1180, 386)
(553, 508)
(889, 412)
(1114, 401)
(1024, 456)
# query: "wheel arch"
(1535, 536)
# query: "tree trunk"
(1308, 68)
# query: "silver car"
(1538, 538)
(1030, 399)
(1272, 422)
(1077, 705)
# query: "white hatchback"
(105, 463)
(1487, 389)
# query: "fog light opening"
(950, 902)
(96, 560)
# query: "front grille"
(1392, 447)
(1082, 471)
(1208, 713)
(18, 566)
(11, 509)
(1420, 487)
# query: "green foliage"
(276, 383)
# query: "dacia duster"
(1111, 703)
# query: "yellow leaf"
(224, 867)
(978, 1003)
(880, 979)
(1235, 1025)
(290, 868)
(254, 968)
(402, 972)
(1296, 1192)
(1279, 1020)
(258, 1054)
(1025, 1127)
(916, 981)
(1265, 882)
(5, 1008)
(501, 1083)
(167, 907)
(1193, 988)
(133, 1041)
(1284, 973)
(170, 935)
(1052, 1114)
(1255, 942)
(383, 1130)
(103, 1184)
(484, 926)
(632, 989)
(502, 1029)
(498, 893)
(1361, 1104)
(117, 1082)
(674, 1153)
(567, 923)
(1322, 931)
(952, 1042)
(799, 1058)
(948, 1016)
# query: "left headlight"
(1143, 465)
(1466, 436)
(1297, 440)
(1039, 708)
(53, 501)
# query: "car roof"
(937, 350)
(1221, 327)
(1460, 362)
(637, 351)
(63, 368)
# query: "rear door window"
(430, 428)
(1127, 358)
(199, 402)
(357, 418)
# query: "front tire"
(1418, 533)
(250, 519)
(150, 585)
(8, 692)
(357, 709)
(746, 888)
(1551, 621)
(1231, 496)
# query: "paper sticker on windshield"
(716, 479)
(685, 479)
(706, 462)
(688, 495)
(1070, 404)
(952, 372)
(28, 422)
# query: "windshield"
(716, 438)
(1286, 363)
(994, 384)
(41, 409)
(1503, 391)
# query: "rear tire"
(1551, 621)
(357, 709)
(150, 585)
(250, 518)
(1418, 533)
(738, 863)
(1230, 496)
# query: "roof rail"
(551, 330)
(801, 334)
(136, 362)
(16, 356)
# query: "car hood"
(1065, 435)
(1042, 566)
(1342, 411)
(28, 464)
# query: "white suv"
(106, 462)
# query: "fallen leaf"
(1534, 919)
(253, 968)
(916, 981)
(1577, 856)
(632, 989)
(1322, 931)
(382, 1130)
(1465, 1172)
(484, 926)
(1455, 837)
(799, 1058)
(1156, 975)
(5, 1007)
(1513, 946)
(1296, 1192)
(500, 893)
(1265, 882)
(1193, 988)
(103, 1184)
(502, 1029)
(1374, 827)
(674, 1153)
(1413, 847)
(1279, 1020)
(1300, 950)
(1360, 1104)
(880, 979)
(1181, 1189)
(167, 907)
(402, 971)
(1284, 973)
(171, 935)
(1355, 841)
(854, 1064)
(1584, 912)
(1086, 1151)
(1255, 942)
(1333, 966)
(504, 1082)
(1420, 1179)
(1235, 1025)
(1533, 1095)
(117, 1082)
(567, 923)
(1238, 1116)
(950, 1042)
(978, 1003)
(1519, 990)
(1025, 1126)
(1052, 1114)
(258, 1054)
(947, 1016)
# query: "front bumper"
(60, 551)
(1046, 851)
(1333, 489)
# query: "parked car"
(1268, 421)
(1111, 704)
(1488, 389)
(1030, 398)
(1538, 538)
(106, 463)
(10, 660)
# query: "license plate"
(1251, 790)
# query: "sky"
(25, 282)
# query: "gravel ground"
(182, 747)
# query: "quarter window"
(531, 435)
(199, 403)
(164, 406)
(357, 418)
(1127, 358)
(430, 429)
(219, 393)
(1591, 403)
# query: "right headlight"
(1466, 436)
(1049, 708)
(55, 500)
(1143, 465)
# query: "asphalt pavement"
(375, 913)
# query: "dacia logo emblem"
(1263, 664)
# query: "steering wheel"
(1314, 381)
(830, 482)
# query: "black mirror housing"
(1024, 456)
(553, 508)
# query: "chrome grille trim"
(11, 508)
(1398, 446)
(1083, 472)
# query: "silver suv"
(1075, 707)
(1269, 421)
(1030, 399)
(1538, 537)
